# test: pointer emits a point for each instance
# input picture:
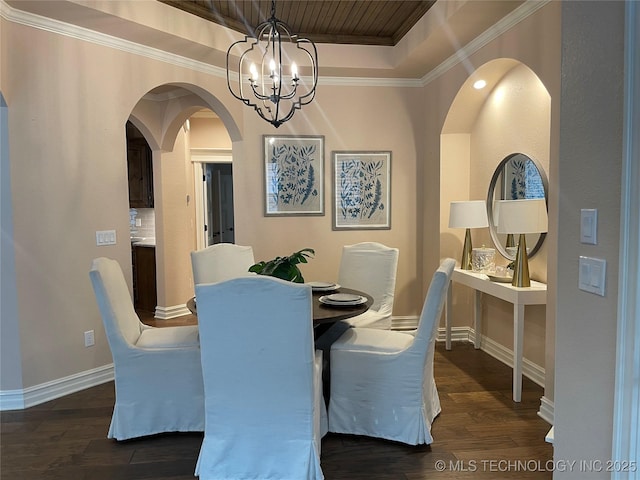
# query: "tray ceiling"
(343, 22)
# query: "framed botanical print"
(362, 190)
(293, 175)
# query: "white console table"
(536, 294)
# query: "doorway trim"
(626, 434)
(200, 156)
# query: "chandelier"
(258, 78)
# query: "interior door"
(218, 203)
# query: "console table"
(536, 294)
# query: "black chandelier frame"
(264, 87)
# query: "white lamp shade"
(496, 213)
(468, 214)
(522, 216)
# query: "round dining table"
(323, 314)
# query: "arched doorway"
(163, 116)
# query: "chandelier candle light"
(258, 79)
(522, 217)
(468, 214)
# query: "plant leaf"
(284, 267)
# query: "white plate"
(500, 279)
(323, 286)
(343, 297)
(342, 300)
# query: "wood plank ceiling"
(362, 22)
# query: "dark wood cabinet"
(144, 278)
(140, 167)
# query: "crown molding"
(369, 82)
(98, 38)
(497, 29)
(80, 33)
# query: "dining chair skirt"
(157, 372)
(382, 382)
(265, 414)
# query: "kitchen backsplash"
(142, 222)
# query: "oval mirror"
(516, 177)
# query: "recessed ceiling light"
(479, 84)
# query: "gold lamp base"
(465, 264)
(521, 265)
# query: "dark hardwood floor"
(481, 433)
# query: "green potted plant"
(285, 268)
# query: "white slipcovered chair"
(158, 375)
(382, 382)
(221, 261)
(264, 411)
(371, 268)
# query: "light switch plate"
(592, 274)
(589, 226)
(105, 237)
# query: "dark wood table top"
(323, 314)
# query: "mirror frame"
(490, 199)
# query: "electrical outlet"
(89, 339)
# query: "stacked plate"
(500, 279)
(343, 300)
(323, 286)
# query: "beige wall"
(10, 357)
(589, 177)
(343, 129)
(208, 132)
(175, 227)
(68, 177)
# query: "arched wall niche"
(511, 114)
(160, 115)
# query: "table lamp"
(510, 242)
(522, 217)
(468, 214)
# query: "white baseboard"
(530, 370)
(31, 396)
(550, 436)
(404, 323)
(458, 334)
(546, 410)
(166, 313)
